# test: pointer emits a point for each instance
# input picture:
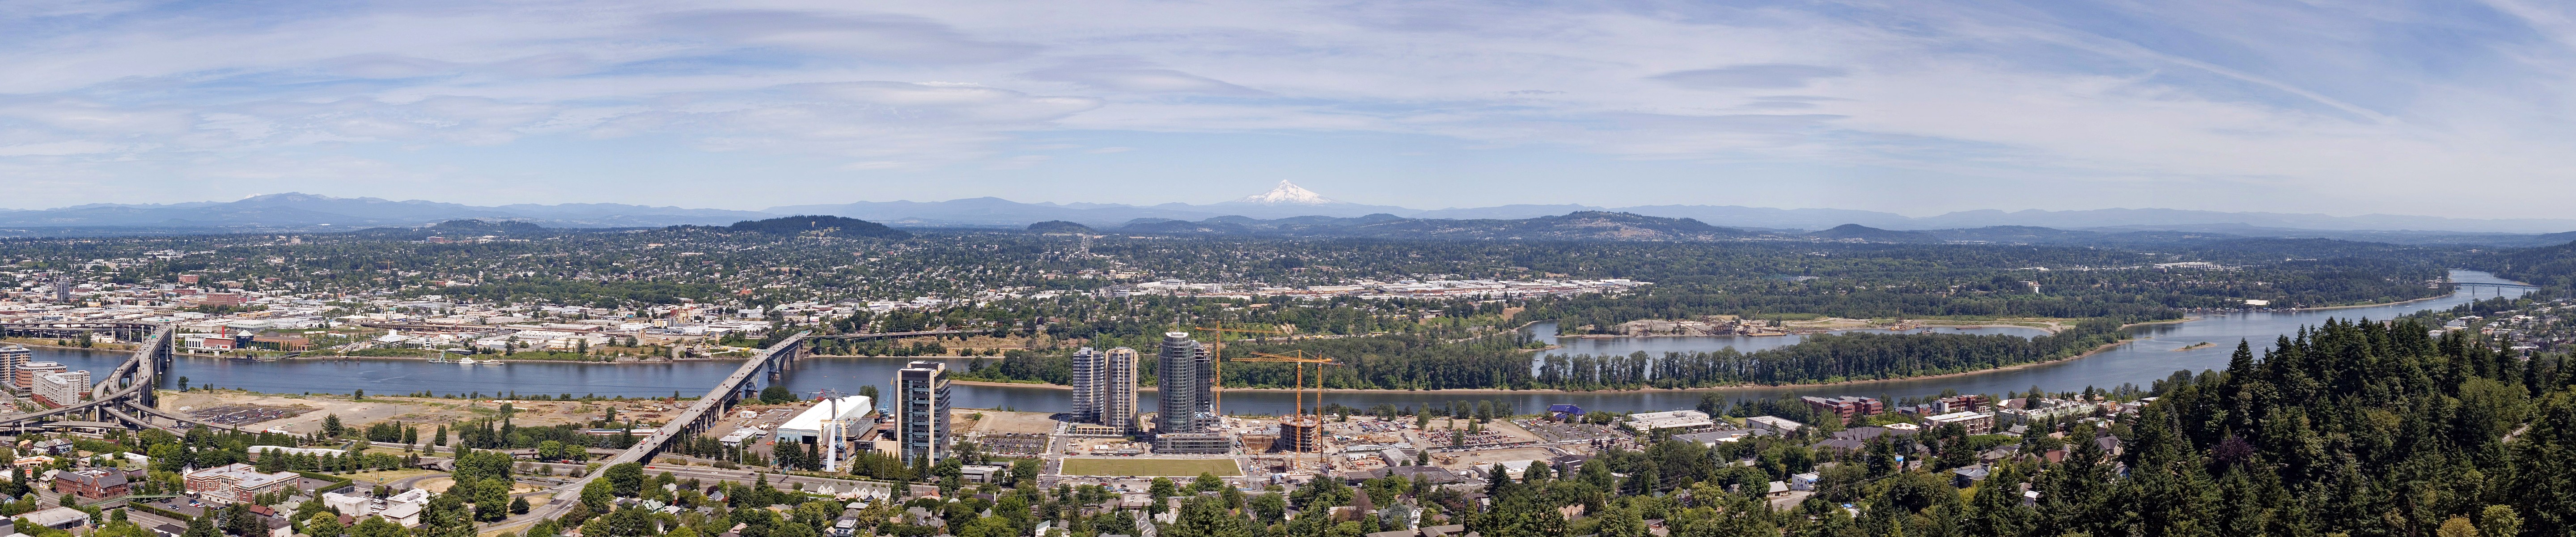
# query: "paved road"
(703, 473)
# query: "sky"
(2454, 108)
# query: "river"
(2153, 356)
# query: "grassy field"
(1141, 467)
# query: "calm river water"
(2153, 356)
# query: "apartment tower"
(1104, 387)
(921, 411)
(1186, 421)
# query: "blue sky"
(2454, 108)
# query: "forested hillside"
(2551, 266)
(2352, 429)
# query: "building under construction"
(1302, 433)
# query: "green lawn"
(1169, 467)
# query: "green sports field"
(1143, 467)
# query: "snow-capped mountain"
(1287, 193)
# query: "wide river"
(2154, 355)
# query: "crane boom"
(1216, 359)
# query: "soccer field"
(1146, 467)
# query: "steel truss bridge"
(2493, 284)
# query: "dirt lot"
(351, 413)
(996, 421)
(1505, 427)
(415, 410)
(1489, 457)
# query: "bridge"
(2494, 284)
(124, 396)
(770, 365)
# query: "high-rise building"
(13, 357)
(1177, 372)
(921, 410)
(1187, 420)
(1104, 387)
(1086, 385)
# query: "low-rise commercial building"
(92, 483)
(401, 508)
(1774, 424)
(236, 483)
(1684, 420)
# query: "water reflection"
(2157, 354)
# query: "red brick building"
(91, 483)
(1846, 406)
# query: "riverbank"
(2397, 303)
(31, 343)
(1497, 391)
(481, 359)
(1833, 325)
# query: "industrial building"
(921, 416)
(808, 427)
(1684, 420)
(1104, 388)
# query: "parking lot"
(1015, 443)
(246, 414)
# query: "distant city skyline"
(1918, 109)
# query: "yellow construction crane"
(1299, 388)
(1303, 430)
(1216, 357)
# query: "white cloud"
(2234, 96)
(73, 147)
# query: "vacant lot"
(1142, 467)
(997, 421)
(318, 406)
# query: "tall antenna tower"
(831, 431)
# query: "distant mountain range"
(1295, 211)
